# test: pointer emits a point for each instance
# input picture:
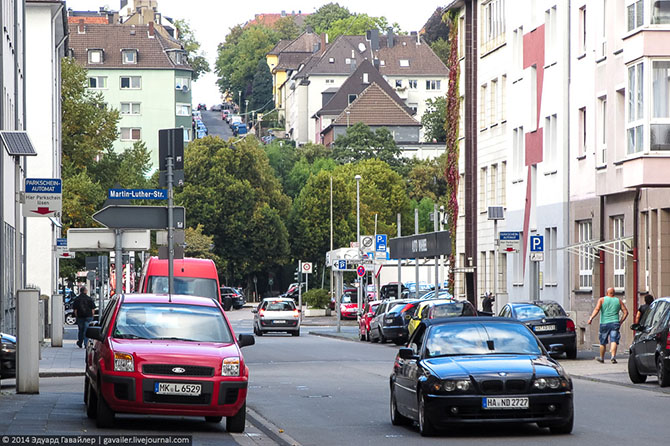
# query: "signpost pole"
(496, 246)
(169, 179)
(416, 257)
(118, 260)
(436, 227)
(399, 262)
(300, 288)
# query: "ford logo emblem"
(178, 370)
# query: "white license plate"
(545, 327)
(505, 403)
(279, 322)
(177, 389)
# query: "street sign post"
(61, 249)
(306, 268)
(360, 270)
(43, 197)
(510, 241)
(380, 242)
(367, 243)
(139, 217)
(137, 194)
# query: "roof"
(270, 19)
(152, 52)
(283, 43)
(89, 19)
(291, 61)
(334, 59)
(422, 59)
(355, 85)
(304, 43)
(164, 298)
(374, 107)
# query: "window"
(635, 12)
(404, 62)
(414, 106)
(482, 106)
(131, 82)
(602, 46)
(352, 98)
(433, 85)
(550, 269)
(97, 82)
(483, 205)
(413, 84)
(347, 61)
(550, 140)
(398, 83)
(503, 98)
(493, 24)
(602, 131)
(183, 109)
(183, 83)
(503, 183)
(493, 102)
(95, 56)
(518, 153)
(366, 79)
(129, 56)
(635, 121)
(493, 186)
(620, 254)
(187, 135)
(517, 55)
(585, 258)
(131, 134)
(332, 81)
(659, 137)
(582, 30)
(582, 132)
(550, 33)
(130, 108)
(331, 60)
(660, 12)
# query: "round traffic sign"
(360, 270)
(306, 267)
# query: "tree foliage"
(196, 58)
(433, 119)
(361, 143)
(358, 24)
(233, 193)
(325, 16)
(261, 88)
(426, 180)
(287, 28)
(436, 28)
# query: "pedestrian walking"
(487, 302)
(83, 307)
(609, 307)
(648, 299)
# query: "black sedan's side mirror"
(407, 353)
(245, 339)
(95, 333)
(636, 327)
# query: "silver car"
(276, 314)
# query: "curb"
(64, 373)
(617, 383)
(332, 336)
(270, 429)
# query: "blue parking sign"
(536, 243)
(341, 264)
(380, 242)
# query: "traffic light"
(296, 274)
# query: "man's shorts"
(611, 331)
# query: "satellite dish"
(361, 47)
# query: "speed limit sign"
(307, 267)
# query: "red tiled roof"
(271, 19)
(88, 20)
(374, 107)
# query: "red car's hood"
(176, 352)
(350, 306)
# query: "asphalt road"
(215, 125)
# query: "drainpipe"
(601, 253)
(636, 273)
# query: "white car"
(276, 314)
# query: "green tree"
(282, 157)
(238, 57)
(436, 28)
(199, 244)
(325, 16)
(361, 143)
(287, 28)
(441, 48)
(261, 88)
(233, 192)
(196, 58)
(358, 24)
(434, 118)
(302, 170)
(426, 180)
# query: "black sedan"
(650, 351)
(390, 322)
(7, 356)
(478, 370)
(548, 321)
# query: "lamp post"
(246, 108)
(239, 101)
(358, 235)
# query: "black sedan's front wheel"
(633, 373)
(397, 419)
(563, 428)
(426, 428)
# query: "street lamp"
(358, 236)
(246, 108)
(239, 100)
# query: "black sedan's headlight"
(550, 384)
(451, 386)
(8, 347)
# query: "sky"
(211, 20)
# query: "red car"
(366, 317)
(160, 355)
(349, 304)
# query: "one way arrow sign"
(140, 217)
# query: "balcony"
(646, 171)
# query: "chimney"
(309, 29)
(324, 41)
(389, 37)
(81, 28)
(373, 37)
(151, 30)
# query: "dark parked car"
(231, 298)
(7, 356)
(390, 291)
(650, 351)
(202, 107)
(548, 321)
(478, 370)
(390, 323)
(166, 355)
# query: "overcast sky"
(211, 21)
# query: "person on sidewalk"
(487, 303)
(83, 307)
(648, 299)
(609, 307)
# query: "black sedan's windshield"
(171, 321)
(480, 339)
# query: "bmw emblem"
(499, 373)
(178, 370)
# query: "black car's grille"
(535, 411)
(167, 370)
(151, 397)
(502, 387)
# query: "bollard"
(27, 341)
